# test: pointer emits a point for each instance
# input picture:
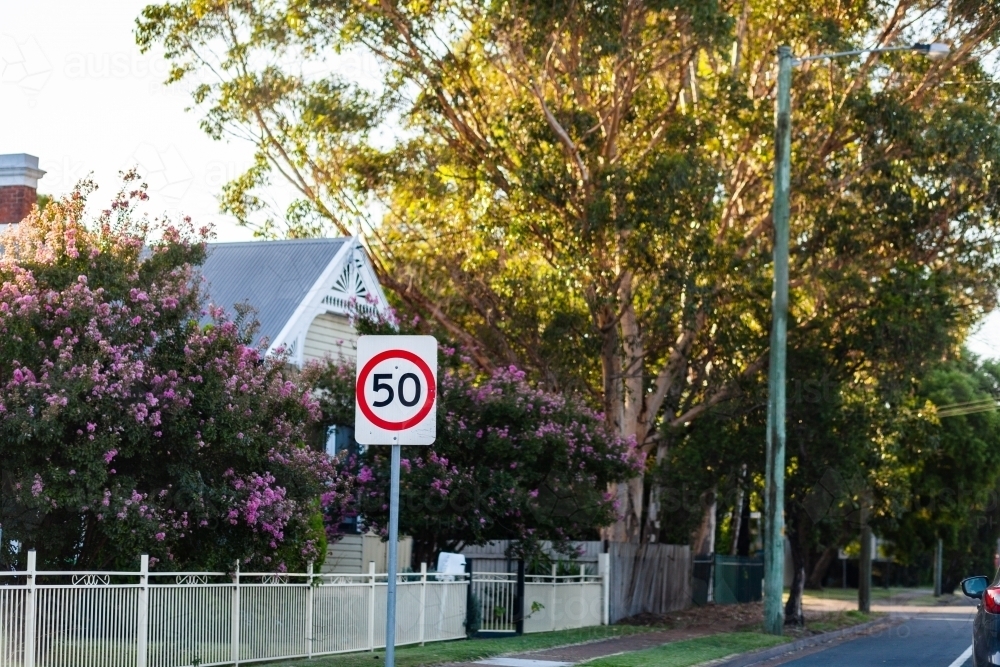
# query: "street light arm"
(934, 50)
(855, 52)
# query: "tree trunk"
(865, 567)
(611, 369)
(628, 495)
(793, 608)
(631, 387)
(743, 540)
(815, 580)
(938, 566)
(736, 516)
(737, 521)
(703, 540)
(651, 531)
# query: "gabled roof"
(274, 277)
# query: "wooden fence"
(648, 578)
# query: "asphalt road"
(928, 640)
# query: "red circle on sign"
(424, 410)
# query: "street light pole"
(774, 492)
(774, 489)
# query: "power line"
(968, 408)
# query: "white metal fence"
(561, 602)
(152, 619)
(146, 619)
(551, 602)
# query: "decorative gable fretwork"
(351, 292)
(348, 287)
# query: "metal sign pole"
(397, 408)
(390, 600)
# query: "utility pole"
(774, 496)
(774, 491)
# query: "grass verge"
(675, 654)
(878, 594)
(467, 650)
(839, 620)
(692, 651)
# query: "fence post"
(552, 597)
(29, 613)
(309, 609)
(142, 638)
(371, 607)
(234, 633)
(470, 600)
(519, 609)
(604, 566)
(423, 600)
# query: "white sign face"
(396, 390)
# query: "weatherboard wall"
(330, 335)
(352, 553)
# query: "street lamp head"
(934, 51)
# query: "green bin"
(738, 579)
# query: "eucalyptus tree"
(583, 187)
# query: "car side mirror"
(974, 587)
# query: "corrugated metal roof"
(272, 276)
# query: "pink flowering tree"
(510, 462)
(126, 425)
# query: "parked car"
(986, 628)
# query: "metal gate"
(496, 601)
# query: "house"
(304, 291)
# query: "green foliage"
(954, 474)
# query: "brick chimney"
(19, 174)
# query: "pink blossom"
(101, 360)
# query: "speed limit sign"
(396, 390)
(395, 404)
